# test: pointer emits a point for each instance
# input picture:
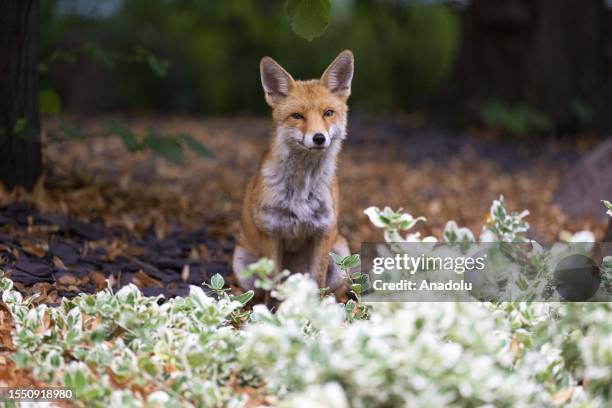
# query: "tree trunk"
(20, 145)
(549, 55)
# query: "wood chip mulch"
(58, 256)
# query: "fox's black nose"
(318, 139)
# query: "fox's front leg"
(272, 248)
(320, 261)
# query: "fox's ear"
(338, 76)
(275, 80)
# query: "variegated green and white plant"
(208, 350)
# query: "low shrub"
(126, 349)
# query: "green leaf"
(72, 131)
(20, 125)
(308, 18)
(350, 261)
(127, 137)
(49, 102)
(197, 359)
(100, 55)
(145, 363)
(79, 382)
(336, 258)
(21, 358)
(68, 381)
(217, 282)
(158, 66)
(166, 147)
(243, 298)
(195, 146)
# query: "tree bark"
(20, 142)
(546, 54)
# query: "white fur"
(241, 260)
(300, 204)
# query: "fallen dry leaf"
(59, 264)
(35, 248)
(67, 279)
(141, 280)
(98, 279)
(6, 328)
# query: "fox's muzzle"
(317, 140)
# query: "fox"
(290, 206)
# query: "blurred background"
(151, 118)
(405, 52)
(523, 65)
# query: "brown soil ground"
(439, 174)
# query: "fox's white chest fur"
(299, 204)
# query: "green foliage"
(217, 286)
(188, 352)
(167, 147)
(393, 222)
(128, 138)
(504, 225)
(107, 58)
(455, 235)
(194, 145)
(263, 271)
(217, 282)
(96, 344)
(517, 120)
(20, 125)
(49, 102)
(528, 270)
(158, 66)
(200, 350)
(309, 18)
(403, 51)
(358, 283)
(170, 147)
(347, 262)
(243, 298)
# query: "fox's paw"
(242, 259)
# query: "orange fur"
(299, 109)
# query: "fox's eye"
(297, 116)
(328, 113)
